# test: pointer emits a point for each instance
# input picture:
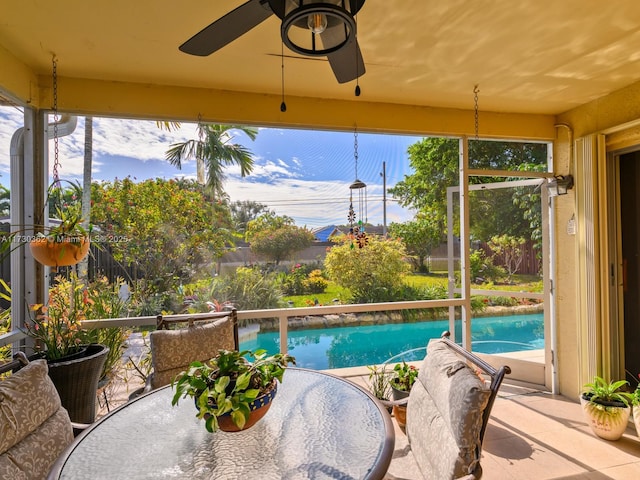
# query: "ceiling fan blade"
(347, 63)
(226, 29)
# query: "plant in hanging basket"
(62, 243)
(229, 389)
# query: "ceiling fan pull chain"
(357, 91)
(283, 106)
(475, 99)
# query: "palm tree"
(5, 205)
(83, 267)
(213, 150)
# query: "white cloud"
(285, 184)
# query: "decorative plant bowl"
(259, 408)
(606, 421)
(59, 252)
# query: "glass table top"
(319, 427)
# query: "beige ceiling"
(526, 56)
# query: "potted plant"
(635, 403)
(402, 379)
(606, 407)
(75, 365)
(65, 243)
(379, 383)
(232, 392)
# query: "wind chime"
(356, 228)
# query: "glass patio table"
(319, 426)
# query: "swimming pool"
(326, 348)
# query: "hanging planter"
(66, 242)
(59, 252)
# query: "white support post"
(465, 276)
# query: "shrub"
(483, 269)
(373, 273)
(315, 282)
(248, 289)
(293, 281)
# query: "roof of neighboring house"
(323, 234)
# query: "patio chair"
(448, 410)
(34, 426)
(173, 350)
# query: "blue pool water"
(320, 349)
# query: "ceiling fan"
(309, 27)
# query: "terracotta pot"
(606, 421)
(59, 254)
(259, 407)
(399, 411)
(400, 414)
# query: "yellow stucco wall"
(617, 117)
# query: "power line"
(318, 201)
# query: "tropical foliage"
(214, 150)
(56, 326)
(599, 390)
(510, 211)
(248, 289)
(242, 212)
(147, 224)
(304, 279)
(510, 248)
(420, 236)
(229, 383)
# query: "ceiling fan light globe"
(339, 30)
(317, 22)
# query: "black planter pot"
(77, 382)
(398, 394)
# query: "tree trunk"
(83, 266)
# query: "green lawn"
(529, 283)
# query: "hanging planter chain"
(56, 150)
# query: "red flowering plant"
(56, 325)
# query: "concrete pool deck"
(532, 434)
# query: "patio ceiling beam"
(133, 100)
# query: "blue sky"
(304, 174)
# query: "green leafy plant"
(602, 392)
(404, 376)
(373, 273)
(229, 383)
(56, 326)
(315, 282)
(635, 396)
